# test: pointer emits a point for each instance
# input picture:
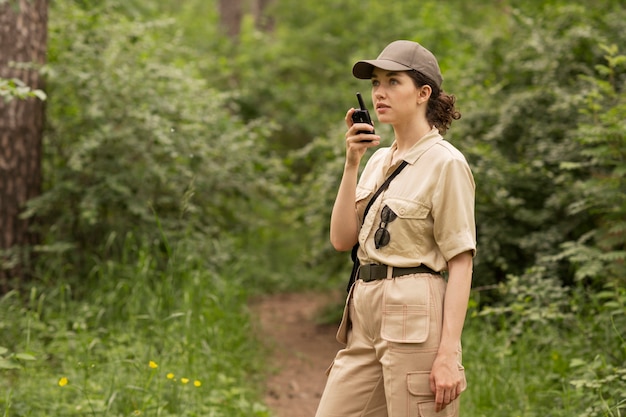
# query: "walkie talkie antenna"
(361, 102)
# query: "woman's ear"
(424, 93)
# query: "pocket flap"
(418, 384)
(408, 209)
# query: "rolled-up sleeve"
(453, 202)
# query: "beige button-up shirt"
(433, 198)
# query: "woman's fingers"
(444, 397)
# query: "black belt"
(373, 272)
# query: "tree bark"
(231, 13)
(23, 43)
(262, 20)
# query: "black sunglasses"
(381, 237)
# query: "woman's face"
(396, 98)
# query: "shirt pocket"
(408, 209)
(406, 311)
(411, 233)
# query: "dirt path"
(302, 350)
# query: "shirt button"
(402, 211)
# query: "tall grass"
(562, 358)
(159, 334)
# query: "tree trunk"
(23, 39)
(262, 20)
(231, 13)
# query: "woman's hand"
(358, 143)
(446, 381)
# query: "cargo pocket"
(406, 311)
(422, 399)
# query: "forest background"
(189, 164)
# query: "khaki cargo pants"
(391, 329)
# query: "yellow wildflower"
(63, 381)
(184, 380)
(153, 365)
(197, 383)
(170, 376)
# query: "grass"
(141, 339)
(571, 365)
(163, 333)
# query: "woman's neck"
(409, 134)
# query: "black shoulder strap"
(382, 188)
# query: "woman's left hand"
(446, 381)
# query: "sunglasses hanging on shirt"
(382, 236)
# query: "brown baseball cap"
(401, 56)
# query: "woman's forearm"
(455, 302)
(343, 220)
(344, 224)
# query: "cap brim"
(364, 69)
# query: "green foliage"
(556, 185)
(524, 110)
(308, 88)
(164, 198)
(11, 360)
(547, 343)
(550, 350)
(300, 75)
(601, 187)
(14, 88)
(134, 131)
(146, 340)
(519, 89)
(532, 302)
(154, 189)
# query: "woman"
(402, 323)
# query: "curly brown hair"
(440, 111)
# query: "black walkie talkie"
(362, 116)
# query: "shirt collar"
(422, 145)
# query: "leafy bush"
(135, 133)
(526, 96)
(575, 334)
(548, 349)
(601, 185)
